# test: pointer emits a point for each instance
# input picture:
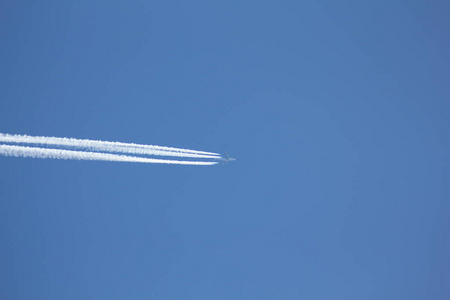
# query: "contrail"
(95, 145)
(35, 152)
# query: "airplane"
(225, 159)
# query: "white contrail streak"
(35, 152)
(96, 145)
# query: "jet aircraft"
(226, 159)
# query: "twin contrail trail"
(83, 149)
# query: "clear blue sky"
(336, 111)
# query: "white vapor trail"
(35, 152)
(95, 145)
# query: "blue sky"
(337, 113)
